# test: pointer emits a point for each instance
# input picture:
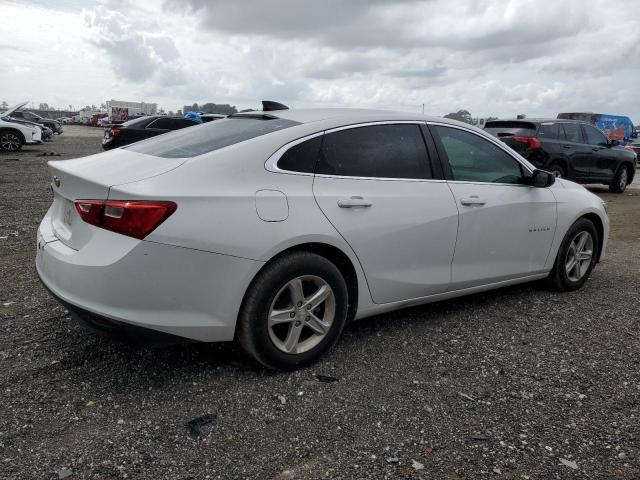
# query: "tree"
(211, 107)
(43, 106)
(4, 104)
(460, 115)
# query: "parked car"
(16, 133)
(277, 227)
(141, 128)
(25, 115)
(95, 119)
(571, 149)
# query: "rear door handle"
(566, 146)
(355, 201)
(472, 201)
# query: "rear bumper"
(178, 291)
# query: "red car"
(96, 118)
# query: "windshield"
(194, 141)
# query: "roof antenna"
(269, 106)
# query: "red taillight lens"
(115, 132)
(132, 218)
(532, 142)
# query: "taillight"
(134, 218)
(532, 142)
(115, 132)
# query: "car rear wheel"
(293, 311)
(557, 170)
(620, 180)
(10, 141)
(576, 257)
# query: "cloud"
(136, 55)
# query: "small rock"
(282, 399)
(64, 473)
(393, 460)
(568, 463)
(91, 403)
(416, 465)
(120, 421)
(497, 470)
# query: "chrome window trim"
(271, 164)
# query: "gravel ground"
(518, 383)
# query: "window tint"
(474, 159)
(301, 157)
(140, 122)
(191, 142)
(572, 132)
(380, 151)
(594, 136)
(165, 123)
(550, 131)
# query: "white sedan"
(276, 228)
(16, 133)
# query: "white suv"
(16, 133)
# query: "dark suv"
(571, 149)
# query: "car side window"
(572, 132)
(164, 123)
(549, 131)
(301, 157)
(594, 136)
(475, 159)
(377, 151)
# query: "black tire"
(10, 140)
(620, 180)
(557, 169)
(558, 278)
(253, 331)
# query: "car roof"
(347, 116)
(537, 120)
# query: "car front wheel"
(293, 311)
(576, 257)
(10, 141)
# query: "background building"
(134, 107)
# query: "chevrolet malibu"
(276, 228)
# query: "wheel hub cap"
(301, 314)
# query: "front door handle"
(566, 146)
(355, 201)
(472, 201)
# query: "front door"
(506, 228)
(375, 185)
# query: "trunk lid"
(90, 178)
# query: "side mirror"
(614, 143)
(542, 179)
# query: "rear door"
(578, 151)
(376, 185)
(505, 227)
(603, 159)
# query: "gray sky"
(492, 57)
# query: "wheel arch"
(332, 253)
(597, 222)
(562, 161)
(630, 169)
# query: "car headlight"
(605, 206)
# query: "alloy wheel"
(623, 179)
(301, 314)
(579, 255)
(10, 142)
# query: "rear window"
(549, 130)
(510, 128)
(191, 142)
(140, 122)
